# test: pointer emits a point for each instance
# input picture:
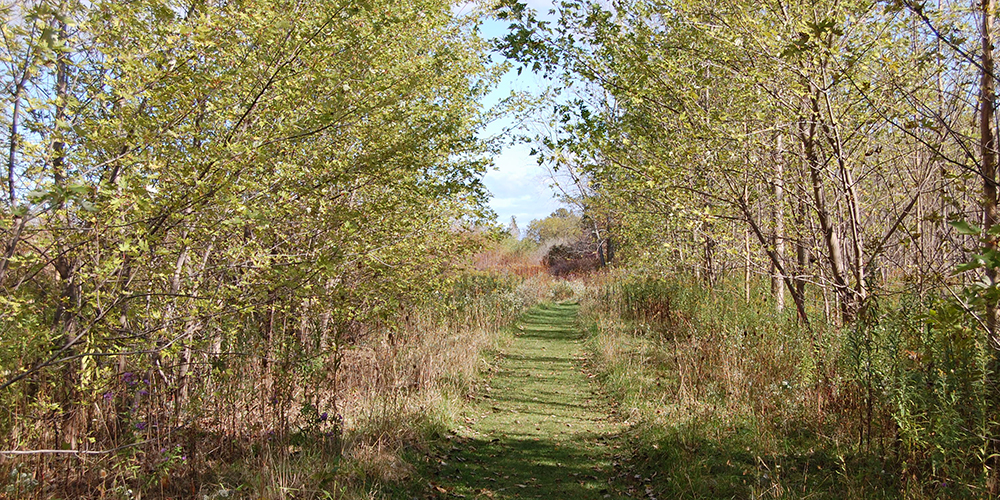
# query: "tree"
(561, 226)
(844, 128)
(200, 186)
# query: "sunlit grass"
(724, 397)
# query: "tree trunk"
(797, 298)
(778, 239)
(65, 317)
(987, 149)
(746, 265)
(831, 237)
(801, 244)
(851, 300)
(610, 250)
(709, 259)
(19, 221)
(15, 119)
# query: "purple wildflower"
(143, 392)
(323, 417)
(140, 425)
(108, 396)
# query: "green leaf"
(78, 188)
(963, 227)
(38, 195)
(968, 266)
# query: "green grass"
(710, 397)
(541, 430)
(722, 400)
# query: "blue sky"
(520, 187)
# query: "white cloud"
(520, 187)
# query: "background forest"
(244, 246)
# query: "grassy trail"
(540, 431)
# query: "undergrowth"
(350, 420)
(730, 399)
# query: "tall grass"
(731, 399)
(299, 416)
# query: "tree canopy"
(194, 190)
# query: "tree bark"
(801, 243)
(831, 237)
(778, 239)
(19, 221)
(797, 298)
(987, 150)
(65, 265)
(15, 119)
(746, 266)
(709, 259)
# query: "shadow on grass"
(545, 407)
(539, 433)
(535, 359)
(551, 322)
(519, 466)
(682, 465)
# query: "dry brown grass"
(336, 423)
(681, 370)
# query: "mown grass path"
(541, 431)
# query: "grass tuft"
(724, 397)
